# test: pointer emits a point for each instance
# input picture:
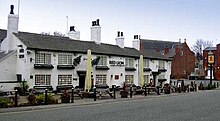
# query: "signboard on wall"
(116, 63)
(211, 59)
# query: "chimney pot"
(97, 22)
(72, 28)
(118, 34)
(12, 9)
(93, 23)
(122, 34)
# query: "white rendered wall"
(7, 68)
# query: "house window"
(129, 78)
(102, 61)
(64, 59)
(161, 64)
(146, 63)
(161, 76)
(64, 79)
(101, 79)
(146, 79)
(42, 79)
(42, 58)
(129, 62)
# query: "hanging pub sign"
(211, 59)
(116, 63)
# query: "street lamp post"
(211, 60)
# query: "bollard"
(114, 91)
(131, 92)
(16, 98)
(72, 96)
(45, 102)
(187, 88)
(145, 90)
(94, 90)
(158, 90)
(179, 89)
(195, 87)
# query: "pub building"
(46, 60)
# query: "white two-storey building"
(45, 60)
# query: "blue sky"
(152, 19)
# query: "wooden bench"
(151, 89)
(103, 88)
(9, 94)
(41, 89)
(61, 88)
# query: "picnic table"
(9, 94)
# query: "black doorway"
(82, 78)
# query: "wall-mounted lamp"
(121, 74)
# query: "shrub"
(65, 97)
(32, 99)
(4, 103)
(40, 99)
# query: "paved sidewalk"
(88, 101)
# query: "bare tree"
(201, 45)
(56, 33)
(59, 34)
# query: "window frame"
(129, 62)
(102, 61)
(42, 58)
(62, 57)
(43, 79)
(65, 79)
(129, 79)
(101, 79)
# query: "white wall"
(7, 68)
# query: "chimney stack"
(120, 39)
(96, 31)
(13, 20)
(136, 42)
(72, 34)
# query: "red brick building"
(183, 59)
(216, 65)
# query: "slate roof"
(157, 44)
(210, 48)
(3, 34)
(54, 43)
(3, 54)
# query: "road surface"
(194, 106)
